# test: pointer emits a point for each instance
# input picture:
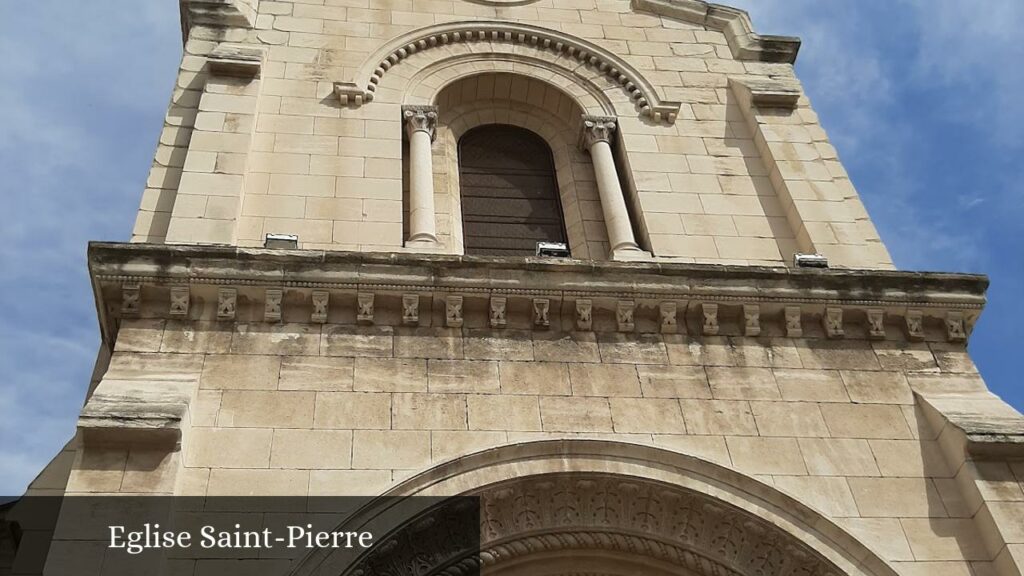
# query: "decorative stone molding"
(710, 313)
(624, 315)
(667, 311)
(915, 325)
(832, 321)
(420, 119)
(876, 323)
(236, 60)
(453, 311)
(601, 60)
(321, 301)
(541, 313)
(234, 277)
(131, 298)
(220, 13)
(365, 309)
(272, 305)
(794, 322)
(744, 43)
(751, 320)
(227, 302)
(584, 315)
(499, 312)
(767, 93)
(180, 300)
(411, 309)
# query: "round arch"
(628, 505)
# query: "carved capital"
(598, 129)
(420, 119)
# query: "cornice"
(226, 13)
(127, 277)
(733, 22)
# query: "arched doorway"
(509, 192)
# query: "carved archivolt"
(640, 91)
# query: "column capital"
(418, 118)
(597, 129)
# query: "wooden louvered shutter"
(509, 192)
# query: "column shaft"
(597, 134)
(420, 122)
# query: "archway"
(554, 507)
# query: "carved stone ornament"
(420, 119)
(272, 305)
(364, 308)
(180, 300)
(499, 312)
(794, 322)
(876, 323)
(710, 312)
(667, 311)
(584, 315)
(131, 299)
(624, 315)
(321, 301)
(411, 309)
(915, 325)
(598, 129)
(542, 312)
(636, 522)
(227, 303)
(833, 322)
(751, 320)
(453, 311)
(956, 329)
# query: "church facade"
(542, 252)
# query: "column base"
(631, 254)
(424, 246)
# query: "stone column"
(421, 126)
(597, 138)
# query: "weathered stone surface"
(353, 410)
(358, 341)
(316, 373)
(545, 378)
(673, 381)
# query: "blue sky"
(921, 97)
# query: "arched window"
(509, 192)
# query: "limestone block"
(636, 415)
(285, 339)
(720, 417)
(311, 449)
(711, 448)
(348, 482)
(788, 419)
(227, 482)
(261, 408)
(953, 358)
(98, 470)
(827, 494)
(395, 449)
(910, 458)
(896, 497)
(673, 381)
(933, 539)
(489, 344)
(619, 348)
(811, 385)
(240, 372)
(838, 457)
(742, 384)
(428, 412)
(884, 535)
(904, 356)
(443, 343)
(837, 355)
(877, 387)
(564, 414)
(547, 378)
(565, 347)
(390, 375)
(316, 373)
(359, 341)
(462, 376)
(448, 445)
(229, 447)
(139, 335)
(754, 455)
(353, 410)
(604, 380)
(491, 412)
(865, 421)
(196, 337)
